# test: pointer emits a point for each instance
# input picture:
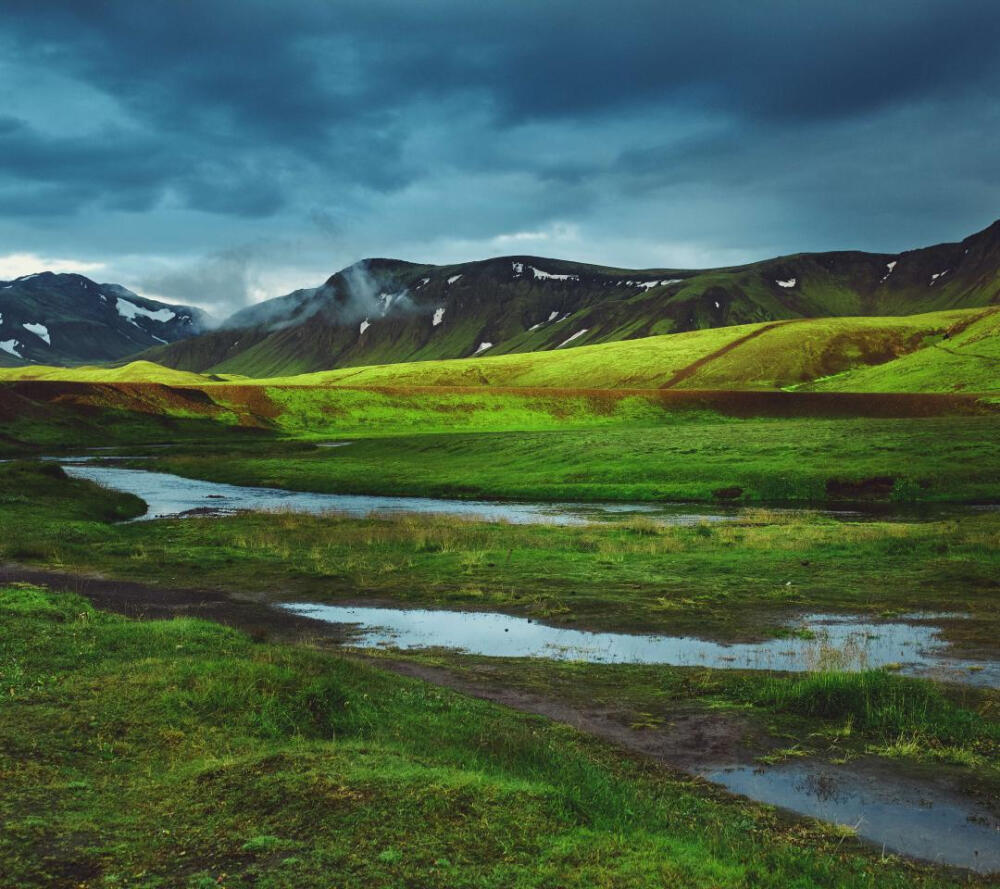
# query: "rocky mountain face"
(50, 318)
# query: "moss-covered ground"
(181, 753)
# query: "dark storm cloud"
(389, 116)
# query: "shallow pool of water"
(903, 816)
(818, 642)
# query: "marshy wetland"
(823, 673)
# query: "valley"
(603, 584)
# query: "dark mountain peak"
(381, 310)
(66, 318)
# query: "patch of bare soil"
(690, 741)
(145, 602)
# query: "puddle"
(172, 495)
(903, 816)
(842, 643)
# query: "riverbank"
(689, 457)
(183, 749)
(732, 580)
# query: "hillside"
(958, 350)
(949, 351)
(50, 318)
(387, 311)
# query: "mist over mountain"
(386, 311)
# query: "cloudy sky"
(217, 152)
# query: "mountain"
(50, 318)
(383, 311)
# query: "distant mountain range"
(50, 318)
(384, 311)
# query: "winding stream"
(169, 495)
(172, 495)
(908, 817)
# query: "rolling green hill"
(385, 311)
(935, 352)
(949, 351)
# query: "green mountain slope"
(949, 351)
(954, 348)
(387, 311)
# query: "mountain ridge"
(386, 311)
(65, 318)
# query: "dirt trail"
(145, 602)
(695, 366)
(691, 739)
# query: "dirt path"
(144, 602)
(695, 366)
(691, 739)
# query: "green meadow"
(733, 579)
(182, 753)
(686, 456)
(142, 753)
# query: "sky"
(218, 152)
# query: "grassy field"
(836, 716)
(184, 754)
(935, 352)
(181, 753)
(736, 579)
(696, 456)
(751, 356)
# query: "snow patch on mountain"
(791, 282)
(39, 330)
(364, 326)
(890, 266)
(438, 316)
(453, 279)
(548, 276)
(130, 311)
(579, 333)
(11, 348)
(483, 347)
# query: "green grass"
(42, 490)
(182, 754)
(832, 715)
(133, 372)
(935, 352)
(691, 458)
(884, 706)
(751, 356)
(732, 579)
(968, 359)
